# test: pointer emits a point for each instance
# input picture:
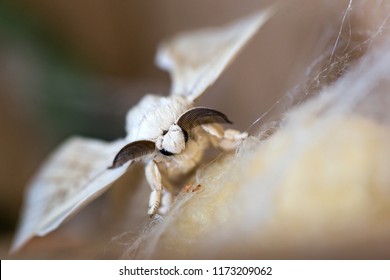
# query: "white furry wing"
(196, 59)
(75, 174)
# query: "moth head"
(172, 141)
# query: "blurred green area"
(61, 88)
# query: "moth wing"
(196, 59)
(75, 174)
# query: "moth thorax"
(173, 141)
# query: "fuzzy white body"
(154, 119)
(154, 114)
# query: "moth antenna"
(199, 116)
(133, 151)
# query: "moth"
(167, 133)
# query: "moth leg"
(232, 139)
(166, 201)
(153, 177)
(228, 140)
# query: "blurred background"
(75, 67)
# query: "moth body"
(153, 115)
(172, 138)
(165, 173)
